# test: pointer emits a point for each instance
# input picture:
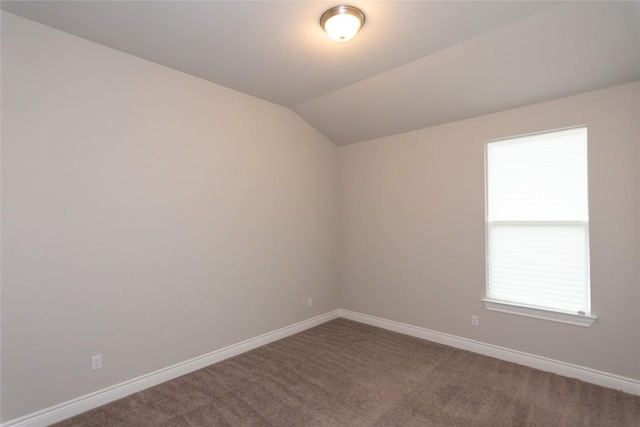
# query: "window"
(538, 226)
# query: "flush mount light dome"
(342, 23)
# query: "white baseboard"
(73, 407)
(81, 404)
(628, 385)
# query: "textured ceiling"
(413, 65)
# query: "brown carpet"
(344, 373)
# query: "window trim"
(517, 308)
(570, 318)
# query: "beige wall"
(412, 230)
(147, 215)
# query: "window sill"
(584, 320)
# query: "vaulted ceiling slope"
(413, 65)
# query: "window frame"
(523, 309)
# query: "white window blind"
(538, 222)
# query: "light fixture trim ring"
(342, 10)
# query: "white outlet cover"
(96, 362)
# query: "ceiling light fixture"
(342, 23)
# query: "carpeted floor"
(344, 373)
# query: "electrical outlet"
(474, 320)
(96, 362)
(310, 301)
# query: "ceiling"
(414, 64)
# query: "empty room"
(312, 213)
